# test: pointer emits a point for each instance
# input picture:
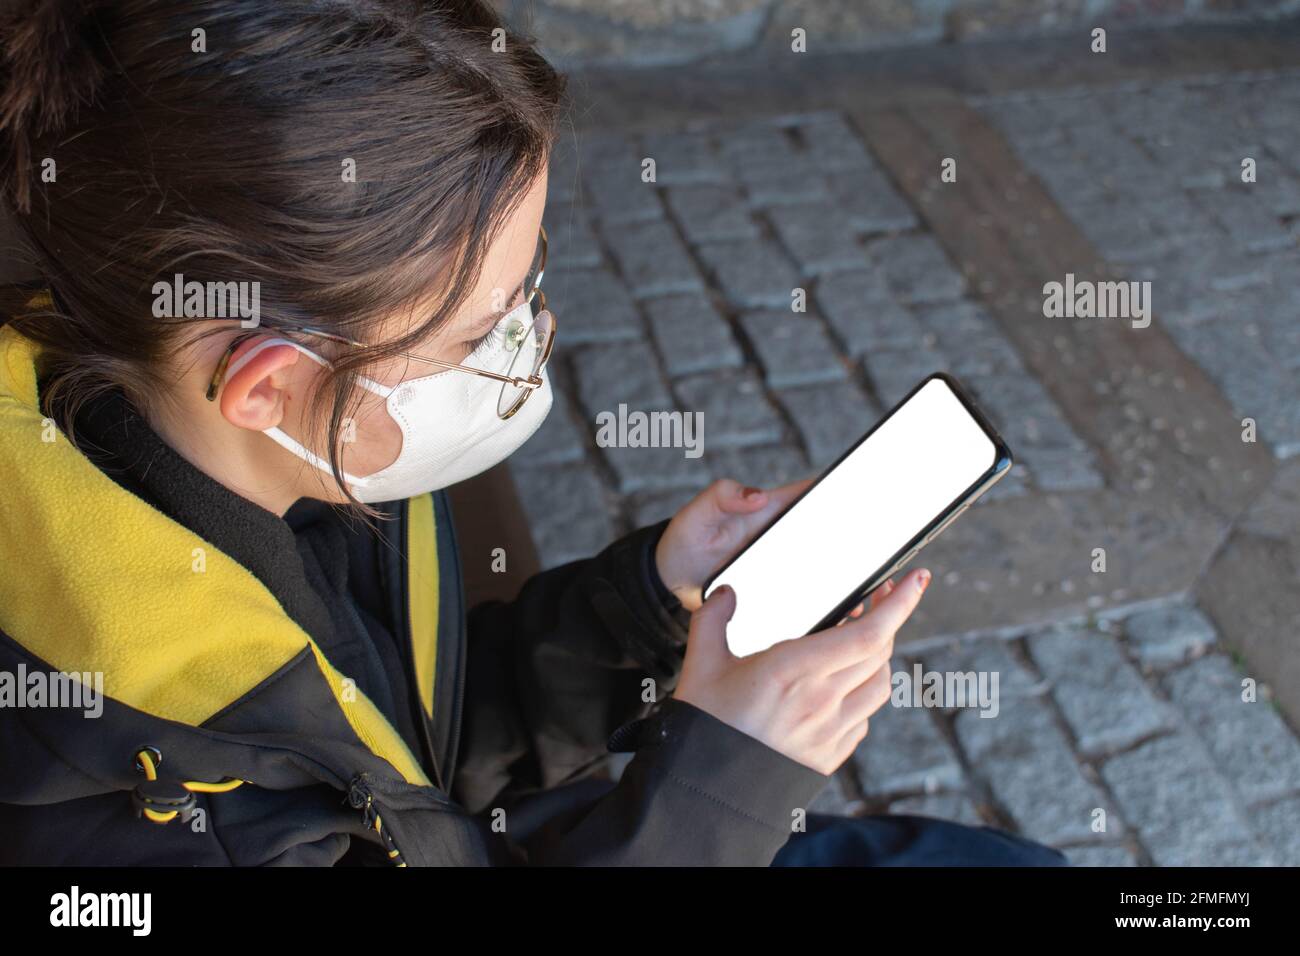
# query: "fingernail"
(722, 589)
(888, 587)
(751, 492)
(922, 579)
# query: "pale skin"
(809, 698)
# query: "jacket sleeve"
(557, 678)
(698, 792)
(585, 648)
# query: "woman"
(291, 259)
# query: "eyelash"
(489, 340)
(493, 336)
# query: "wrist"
(654, 567)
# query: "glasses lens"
(529, 344)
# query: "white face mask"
(450, 427)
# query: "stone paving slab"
(1252, 589)
(566, 510)
(1103, 698)
(1100, 856)
(1169, 635)
(906, 754)
(1250, 743)
(1032, 771)
(1276, 826)
(827, 418)
(1183, 811)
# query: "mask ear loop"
(279, 436)
(248, 356)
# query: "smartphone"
(864, 518)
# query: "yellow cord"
(223, 786)
(194, 786)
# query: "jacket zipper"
(362, 798)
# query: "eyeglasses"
(530, 341)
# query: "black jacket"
(311, 689)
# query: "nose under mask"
(449, 422)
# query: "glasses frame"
(529, 383)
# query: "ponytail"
(49, 68)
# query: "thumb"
(708, 633)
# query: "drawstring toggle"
(163, 800)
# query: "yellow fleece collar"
(97, 580)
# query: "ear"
(254, 396)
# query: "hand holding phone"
(810, 699)
(867, 515)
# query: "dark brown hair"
(226, 166)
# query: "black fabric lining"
(450, 673)
(377, 663)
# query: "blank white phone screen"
(915, 465)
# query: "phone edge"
(1003, 461)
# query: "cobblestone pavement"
(677, 294)
(1154, 180)
(1125, 742)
